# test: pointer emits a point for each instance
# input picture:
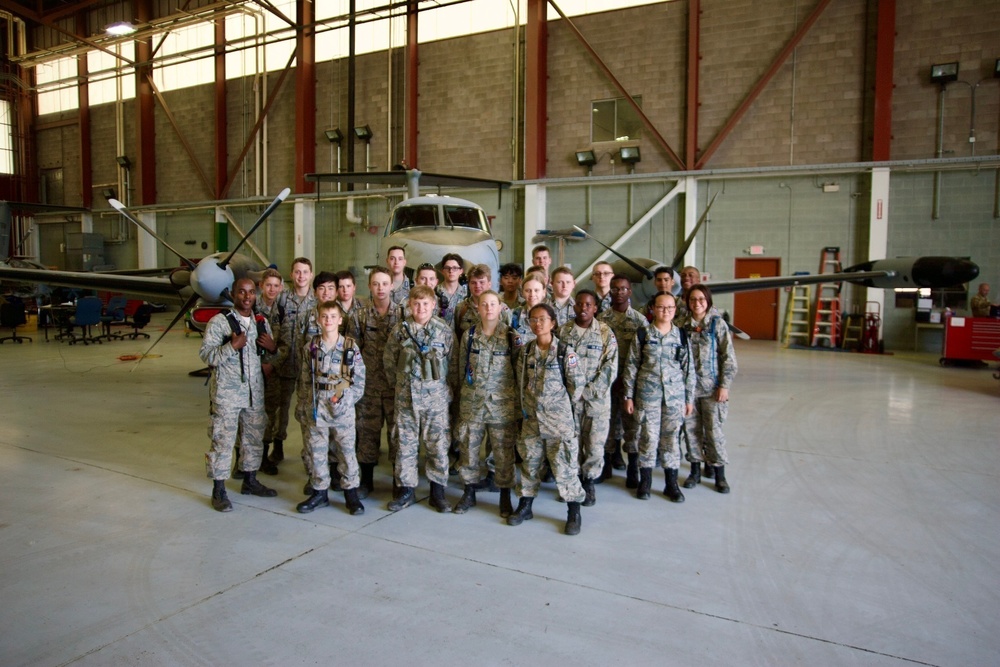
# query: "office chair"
(88, 314)
(12, 315)
(114, 313)
(140, 319)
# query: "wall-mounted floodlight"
(629, 155)
(120, 28)
(364, 133)
(334, 136)
(123, 161)
(996, 69)
(108, 193)
(944, 73)
(586, 158)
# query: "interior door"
(757, 312)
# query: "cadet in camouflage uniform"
(236, 391)
(714, 365)
(467, 312)
(534, 294)
(267, 305)
(417, 355)
(488, 402)
(602, 275)
(295, 304)
(550, 381)
(349, 302)
(659, 391)
(597, 349)
(396, 259)
(332, 380)
(624, 322)
(511, 275)
(562, 295)
(307, 326)
(370, 328)
(450, 293)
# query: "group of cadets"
(560, 384)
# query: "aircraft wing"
(755, 284)
(400, 178)
(157, 289)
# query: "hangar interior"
(863, 520)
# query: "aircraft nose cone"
(943, 271)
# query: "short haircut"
(345, 275)
(480, 271)
(454, 257)
(303, 260)
(422, 292)
(512, 269)
(561, 269)
(700, 288)
(378, 269)
(426, 266)
(540, 248)
(663, 269)
(270, 273)
(619, 276)
(396, 247)
(588, 292)
(324, 277)
(330, 305)
(603, 263)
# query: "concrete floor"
(863, 529)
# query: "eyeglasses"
(452, 268)
(539, 320)
(604, 273)
(620, 289)
(665, 308)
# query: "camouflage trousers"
(372, 411)
(327, 445)
(278, 429)
(471, 435)
(422, 419)
(659, 425)
(703, 428)
(272, 403)
(562, 453)
(226, 424)
(622, 426)
(594, 424)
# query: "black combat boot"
(367, 485)
(334, 477)
(694, 479)
(645, 483)
(616, 457)
(632, 474)
(438, 501)
(266, 466)
(278, 455)
(708, 473)
(220, 501)
(468, 500)
(573, 520)
(318, 499)
(237, 471)
(588, 488)
(506, 509)
(488, 483)
(605, 471)
(354, 505)
(721, 485)
(522, 513)
(670, 490)
(251, 487)
(405, 499)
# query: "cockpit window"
(413, 216)
(463, 216)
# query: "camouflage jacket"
(597, 349)
(713, 358)
(659, 369)
(320, 370)
(273, 313)
(624, 325)
(485, 369)
(371, 331)
(565, 312)
(298, 310)
(237, 380)
(549, 383)
(418, 358)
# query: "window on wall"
(107, 73)
(6, 137)
(615, 120)
(182, 65)
(56, 81)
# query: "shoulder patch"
(571, 359)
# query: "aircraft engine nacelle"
(914, 272)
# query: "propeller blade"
(120, 207)
(679, 257)
(641, 269)
(263, 216)
(180, 315)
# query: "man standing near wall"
(296, 305)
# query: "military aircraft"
(205, 284)
(429, 226)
